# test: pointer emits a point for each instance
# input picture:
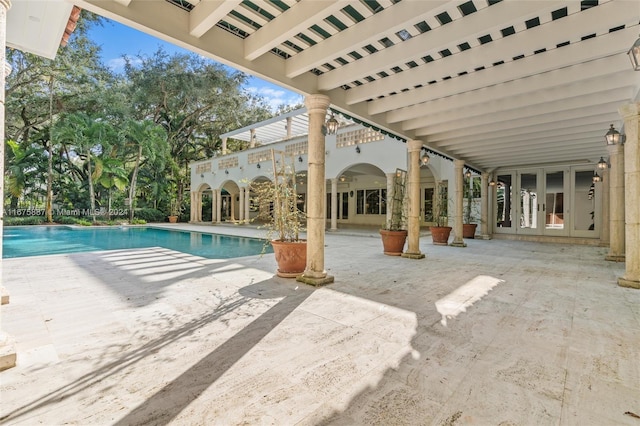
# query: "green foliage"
(398, 221)
(23, 220)
(441, 204)
(138, 222)
(150, 215)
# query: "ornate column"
(457, 225)
(7, 343)
(214, 205)
(631, 115)
(252, 142)
(241, 204)
(334, 204)
(314, 272)
(224, 146)
(484, 206)
(218, 213)
(192, 210)
(247, 204)
(390, 178)
(604, 228)
(413, 226)
(616, 203)
(197, 198)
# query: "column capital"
(458, 164)
(6, 4)
(7, 68)
(414, 145)
(629, 110)
(317, 103)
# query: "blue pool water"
(43, 240)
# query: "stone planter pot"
(173, 219)
(440, 235)
(469, 230)
(393, 241)
(291, 257)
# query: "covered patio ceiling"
(495, 83)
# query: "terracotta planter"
(291, 257)
(393, 241)
(440, 235)
(469, 230)
(173, 219)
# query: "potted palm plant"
(278, 208)
(441, 231)
(468, 227)
(394, 232)
(174, 211)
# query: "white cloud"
(117, 64)
(274, 96)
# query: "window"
(371, 201)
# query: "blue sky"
(117, 40)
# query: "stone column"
(289, 121)
(218, 213)
(390, 178)
(247, 204)
(616, 203)
(241, 204)
(458, 182)
(197, 199)
(224, 146)
(631, 115)
(484, 206)
(214, 206)
(334, 204)
(604, 227)
(7, 343)
(314, 272)
(414, 147)
(192, 211)
(252, 141)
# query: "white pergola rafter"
(577, 53)
(443, 37)
(206, 14)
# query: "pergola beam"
(206, 14)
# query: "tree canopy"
(79, 136)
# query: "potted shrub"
(440, 232)
(394, 232)
(278, 207)
(174, 211)
(468, 227)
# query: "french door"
(548, 201)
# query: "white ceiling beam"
(605, 69)
(585, 51)
(590, 150)
(499, 130)
(287, 25)
(370, 30)
(207, 13)
(472, 144)
(515, 113)
(540, 120)
(450, 35)
(530, 104)
(125, 3)
(503, 49)
(533, 147)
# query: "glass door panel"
(528, 203)
(586, 204)
(504, 206)
(554, 202)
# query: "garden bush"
(150, 215)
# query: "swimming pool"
(27, 241)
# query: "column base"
(7, 351)
(623, 282)
(315, 281)
(485, 237)
(458, 244)
(4, 296)
(417, 255)
(614, 257)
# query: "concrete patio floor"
(498, 333)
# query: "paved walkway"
(501, 332)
